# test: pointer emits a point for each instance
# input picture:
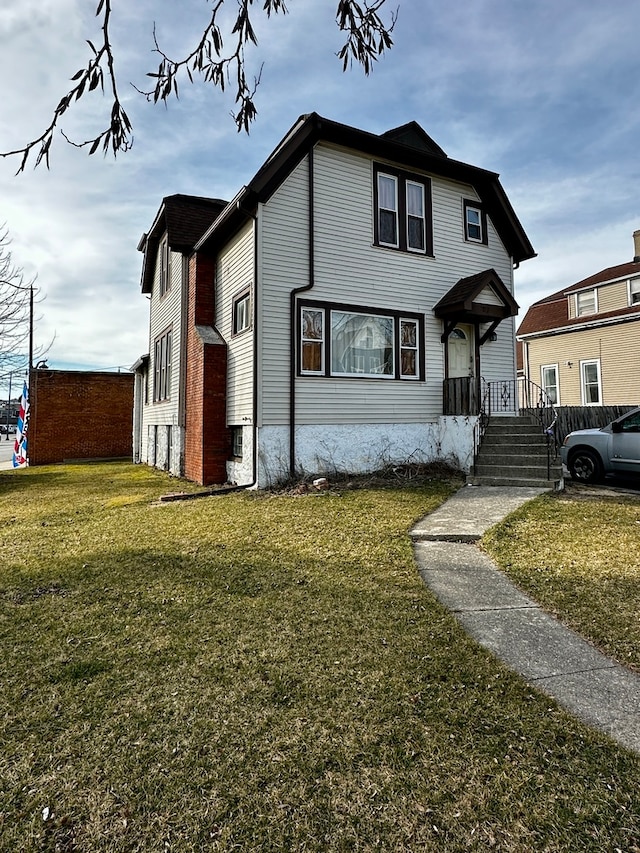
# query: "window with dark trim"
(355, 342)
(165, 266)
(402, 203)
(241, 312)
(162, 367)
(475, 222)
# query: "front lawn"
(578, 554)
(258, 672)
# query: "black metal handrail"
(518, 397)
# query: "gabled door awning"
(479, 298)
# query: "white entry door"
(460, 343)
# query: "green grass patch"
(258, 672)
(579, 556)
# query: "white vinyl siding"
(165, 313)
(351, 270)
(234, 277)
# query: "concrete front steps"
(514, 453)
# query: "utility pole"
(9, 404)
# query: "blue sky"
(545, 93)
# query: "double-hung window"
(343, 341)
(165, 266)
(549, 375)
(634, 291)
(402, 211)
(475, 222)
(162, 367)
(586, 303)
(241, 312)
(591, 384)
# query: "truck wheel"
(585, 466)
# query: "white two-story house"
(338, 314)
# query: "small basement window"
(236, 442)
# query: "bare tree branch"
(15, 307)
(367, 39)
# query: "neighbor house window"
(549, 374)
(352, 343)
(634, 291)
(162, 367)
(591, 383)
(241, 312)
(165, 266)
(403, 211)
(586, 303)
(236, 441)
(475, 222)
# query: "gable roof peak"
(414, 136)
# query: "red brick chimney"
(636, 246)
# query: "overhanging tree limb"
(367, 37)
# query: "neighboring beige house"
(582, 343)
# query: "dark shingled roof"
(185, 218)
(461, 296)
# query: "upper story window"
(162, 367)
(475, 222)
(586, 303)
(403, 211)
(634, 291)
(241, 312)
(165, 266)
(365, 343)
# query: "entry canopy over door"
(478, 299)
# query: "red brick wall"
(79, 415)
(207, 438)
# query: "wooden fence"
(571, 418)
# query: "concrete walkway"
(512, 626)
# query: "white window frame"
(320, 341)
(242, 313)
(634, 291)
(583, 293)
(546, 385)
(422, 218)
(165, 266)
(402, 348)
(395, 211)
(468, 225)
(162, 367)
(583, 384)
(237, 437)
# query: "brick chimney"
(636, 246)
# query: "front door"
(460, 343)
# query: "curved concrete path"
(510, 624)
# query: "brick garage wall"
(80, 415)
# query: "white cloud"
(543, 93)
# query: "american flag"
(20, 457)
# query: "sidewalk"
(512, 626)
